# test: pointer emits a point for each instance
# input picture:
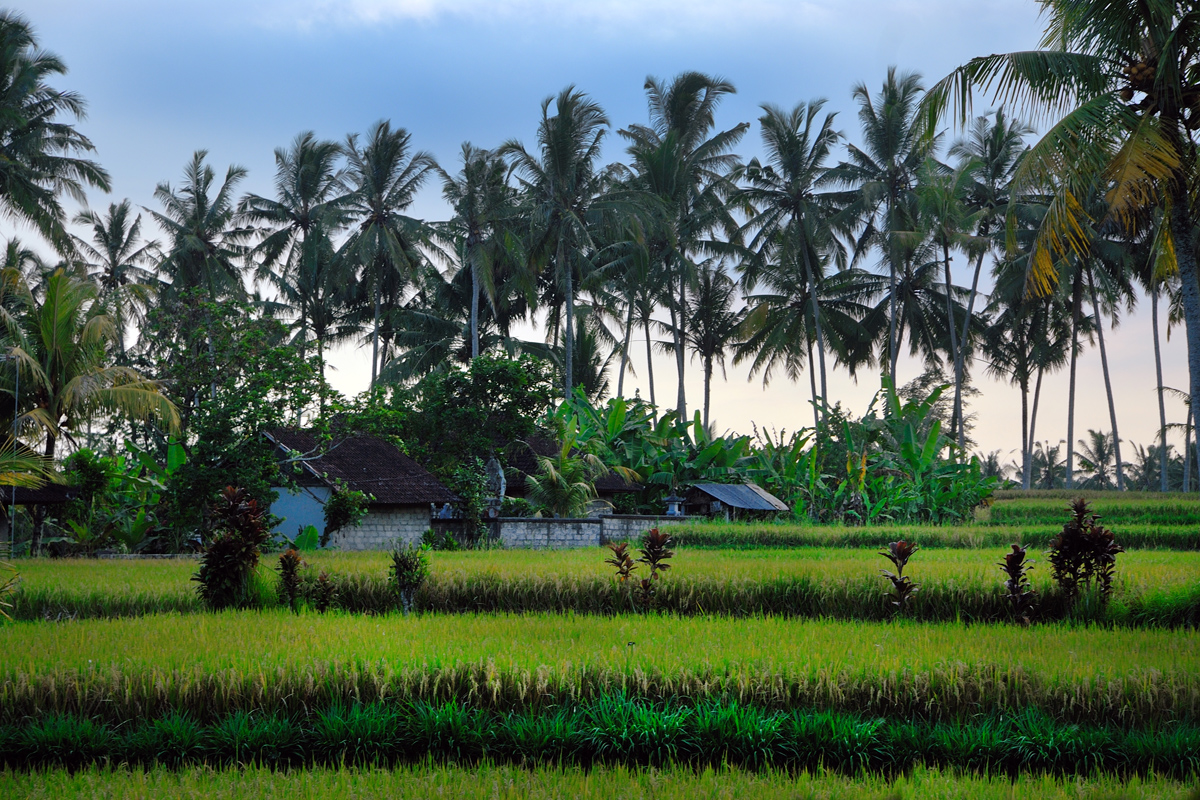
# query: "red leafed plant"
(622, 560)
(1020, 597)
(655, 551)
(228, 562)
(903, 587)
(1085, 551)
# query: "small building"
(522, 460)
(730, 500)
(403, 490)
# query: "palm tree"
(688, 173)
(117, 260)
(38, 151)
(883, 175)
(206, 232)
(790, 207)
(565, 193)
(384, 176)
(1124, 79)
(483, 225)
(1096, 454)
(297, 253)
(60, 343)
(714, 325)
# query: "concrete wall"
(383, 528)
(558, 534)
(304, 507)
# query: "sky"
(239, 79)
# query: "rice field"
(551, 783)
(216, 664)
(1153, 587)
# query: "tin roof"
(368, 464)
(748, 496)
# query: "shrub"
(228, 563)
(1020, 596)
(345, 507)
(410, 568)
(290, 564)
(903, 587)
(655, 552)
(1084, 552)
(622, 560)
(325, 594)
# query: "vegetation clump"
(1083, 554)
(903, 587)
(1019, 594)
(228, 563)
(410, 568)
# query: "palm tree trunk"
(375, 340)
(893, 345)
(816, 312)
(40, 511)
(955, 419)
(649, 361)
(625, 352)
(1025, 443)
(474, 312)
(1112, 409)
(1076, 312)
(707, 386)
(1187, 450)
(1162, 409)
(960, 363)
(1182, 229)
(812, 383)
(569, 339)
(681, 398)
(1037, 396)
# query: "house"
(522, 460)
(403, 490)
(730, 500)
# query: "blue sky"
(241, 78)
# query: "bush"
(345, 507)
(410, 568)
(227, 565)
(1084, 552)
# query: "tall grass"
(1153, 588)
(211, 666)
(608, 731)
(555, 782)
(1116, 511)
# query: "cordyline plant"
(228, 563)
(655, 552)
(1020, 597)
(410, 568)
(1084, 552)
(621, 560)
(325, 594)
(903, 587)
(290, 565)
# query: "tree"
(566, 195)
(686, 171)
(714, 325)
(384, 176)
(208, 237)
(1124, 79)
(882, 176)
(39, 152)
(483, 225)
(118, 261)
(1096, 454)
(790, 207)
(60, 342)
(297, 252)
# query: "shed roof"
(748, 496)
(46, 494)
(368, 464)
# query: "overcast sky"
(239, 79)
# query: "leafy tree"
(714, 325)
(39, 151)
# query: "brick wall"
(383, 528)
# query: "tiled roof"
(369, 464)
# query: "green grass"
(611, 730)
(553, 783)
(1153, 588)
(214, 665)
(1116, 511)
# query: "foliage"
(433, 540)
(621, 560)
(565, 482)
(290, 564)
(9, 580)
(469, 481)
(655, 553)
(325, 594)
(1020, 595)
(409, 570)
(477, 411)
(517, 507)
(1083, 552)
(903, 587)
(345, 508)
(227, 564)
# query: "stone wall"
(559, 534)
(383, 528)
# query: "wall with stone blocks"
(384, 528)
(558, 534)
(629, 527)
